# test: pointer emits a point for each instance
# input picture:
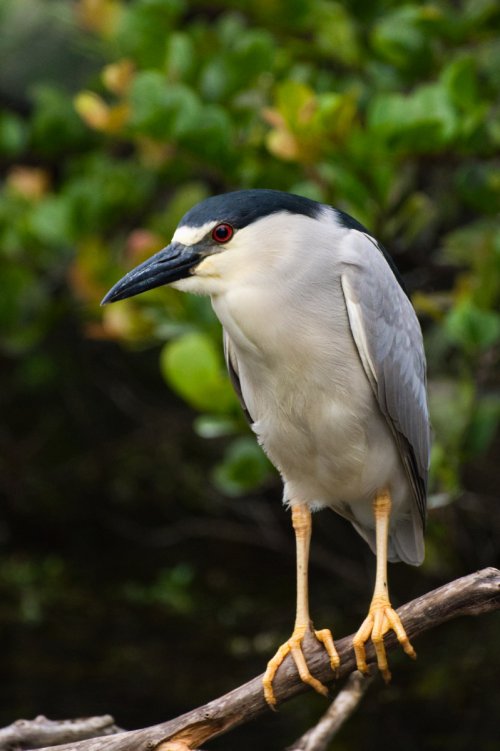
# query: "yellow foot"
(381, 619)
(294, 645)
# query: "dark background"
(146, 569)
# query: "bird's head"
(218, 238)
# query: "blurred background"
(146, 562)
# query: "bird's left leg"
(381, 616)
(301, 520)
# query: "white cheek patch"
(191, 235)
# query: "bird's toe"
(381, 619)
(294, 647)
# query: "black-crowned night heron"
(325, 352)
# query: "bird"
(325, 352)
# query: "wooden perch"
(475, 594)
(318, 737)
(40, 731)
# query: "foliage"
(131, 112)
(390, 116)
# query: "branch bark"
(475, 594)
(319, 736)
(40, 731)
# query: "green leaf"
(423, 121)
(460, 79)
(244, 468)
(402, 37)
(484, 425)
(215, 426)
(13, 134)
(450, 403)
(192, 365)
(171, 588)
(336, 33)
(51, 221)
(180, 57)
(295, 101)
(23, 303)
(254, 52)
(479, 185)
(104, 189)
(144, 26)
(471, 327)
(162, 109)
(210, 135)
(218, 79)
(55, 126)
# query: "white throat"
(273, 248)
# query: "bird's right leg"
(301, 520)
(381, 616)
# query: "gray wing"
(387, 334)
(232, 369)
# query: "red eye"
(222, 233)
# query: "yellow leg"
(381, 616)
(301, 520)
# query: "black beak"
(169, 265)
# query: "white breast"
(303, 383)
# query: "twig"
(475, 594)
(318, 737)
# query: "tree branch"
(40, 731)
(318, 737)
(475, 594)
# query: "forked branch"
(475, 594)
(319, 736)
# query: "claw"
(380, 619)
(326, 638)
(294, 646)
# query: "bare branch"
(342, 707)
(475, 594)
(40, 731)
